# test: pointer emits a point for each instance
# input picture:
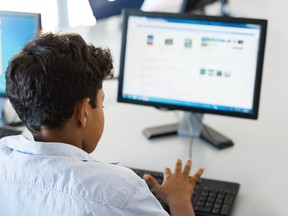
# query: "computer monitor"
(16, 28)
(198, 64)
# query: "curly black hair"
(47, 78)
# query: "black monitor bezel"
(259, 68)
(18, 13)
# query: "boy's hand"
(177, 188)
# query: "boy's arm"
(177, 188)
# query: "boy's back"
(57, 179)
(55, 86)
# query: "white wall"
(273, 114)
(47, 8)
(78, 12)
(274, 99)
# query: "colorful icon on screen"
(150, 40)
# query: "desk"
(258, 159)
(254, 161)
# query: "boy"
(55, 86)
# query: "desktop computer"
(197, 64)
(16, 28)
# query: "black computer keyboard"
(211, 197)
(8, 132)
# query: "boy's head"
(51, 75)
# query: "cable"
(191, 135)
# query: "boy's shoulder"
(70, 177)
(65, 169)
(113, 183)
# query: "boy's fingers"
(187, 168)
(167, 172)
(150, 180)
(178, 167)
(197, 175)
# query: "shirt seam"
(129, 195)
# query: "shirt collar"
(22, 144)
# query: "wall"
(273, 112)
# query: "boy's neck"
(68, 134)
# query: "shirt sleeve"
(143, 202)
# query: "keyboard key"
(218, 200)
(220, 195)
(204, 193)
(202, 209)
(209, 204)
(215, 211)
(202, 198)
(228, 199)
(217, 205)
(200, 203)
(225, 210)
(211, 199)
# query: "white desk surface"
(259, 158)
(256, 161)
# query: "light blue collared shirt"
(38, 178)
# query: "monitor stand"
(191, 125)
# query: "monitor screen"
(193, 63)
(16, 28)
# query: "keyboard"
(211, 197)
(8, 132)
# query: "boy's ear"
(82, 111)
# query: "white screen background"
(168, 69)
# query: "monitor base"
(160, 131)
(200, 130)
(215, 138)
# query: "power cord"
(191, 135)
